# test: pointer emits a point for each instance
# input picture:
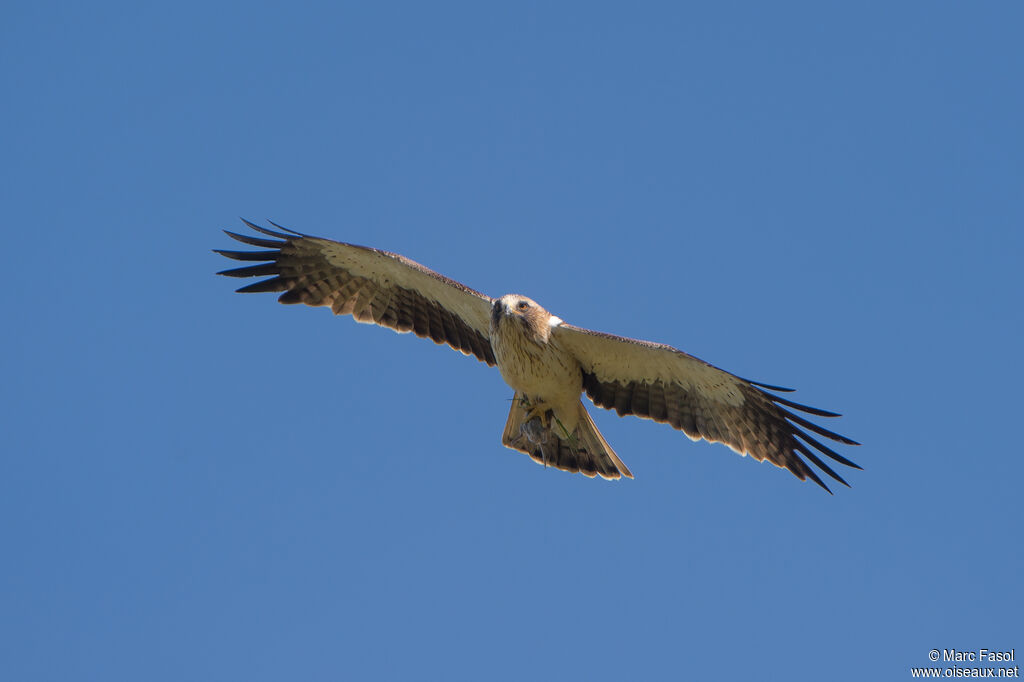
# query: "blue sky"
(202, 485)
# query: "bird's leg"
(539, 409)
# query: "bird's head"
(533, 319)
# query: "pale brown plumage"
(548, 362)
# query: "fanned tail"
(584, 450)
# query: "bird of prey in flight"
(546, 361)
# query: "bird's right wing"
(371, 285)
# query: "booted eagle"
(547, 362)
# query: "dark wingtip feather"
(768, 386)
(289, 297)
(248, 255)
(254, 241)
(820, 464)
(814, 477)
(824, 449)
(252, 270)
(804, 408)
(273, 284)
(818, 429)
(263, 230)
(286, 229)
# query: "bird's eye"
(523, 305)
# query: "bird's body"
(547, 419)
(547, 362)
(531, 361)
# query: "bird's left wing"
(373, 286)
(659, 382)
